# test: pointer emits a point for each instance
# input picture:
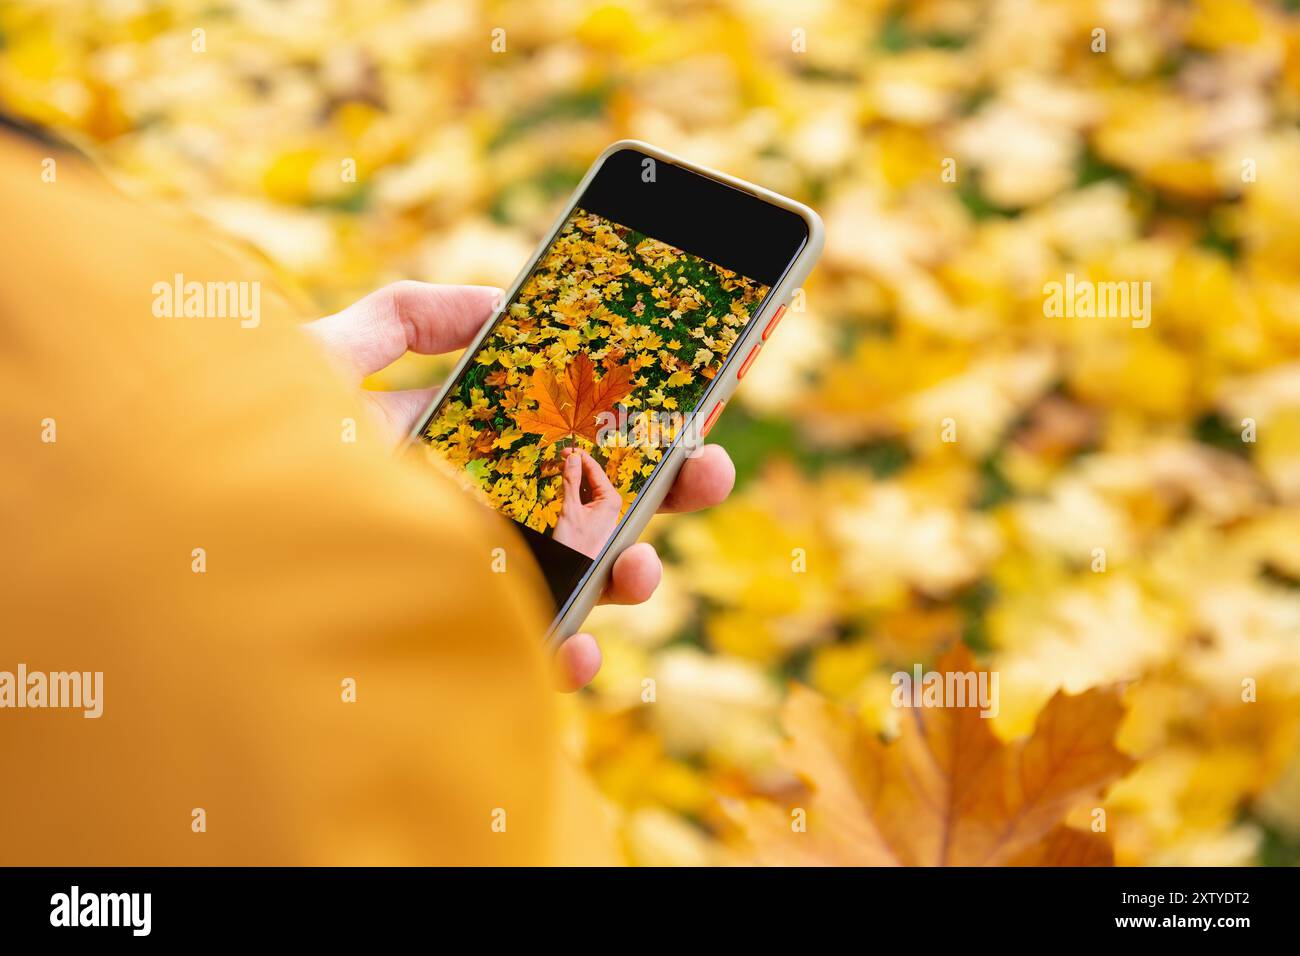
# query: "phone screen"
(593, 370)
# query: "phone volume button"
(773, 321)
(713, 417)
(749, 360)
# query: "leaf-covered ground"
(1120, 507)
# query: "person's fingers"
(703, 482)
(403, 410)
(376, 331)
(601, 486)
(572, 480)
(636, 574)
(577, 661)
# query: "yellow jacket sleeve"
(183, 512)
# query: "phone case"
(571, 617)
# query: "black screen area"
(700, 215)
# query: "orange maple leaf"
(1066, 846)
(947, 791)
(570, 403)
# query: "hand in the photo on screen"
(585, 526)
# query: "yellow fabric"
(325, 560)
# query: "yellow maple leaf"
(947, 791)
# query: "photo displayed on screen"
(579, 389)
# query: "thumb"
(573, 477)
(406, 316)
(601, 486)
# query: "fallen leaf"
(1066, 846)
(947, 791)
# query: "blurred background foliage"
(1072, 434)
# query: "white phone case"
(572, 615)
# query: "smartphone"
(612, 356)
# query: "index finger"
(704, 481)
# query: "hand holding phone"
(429, 319)
(577, 406)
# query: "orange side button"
(749, 360)
(772, 322)
(713, 417)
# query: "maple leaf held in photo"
(570, 404)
